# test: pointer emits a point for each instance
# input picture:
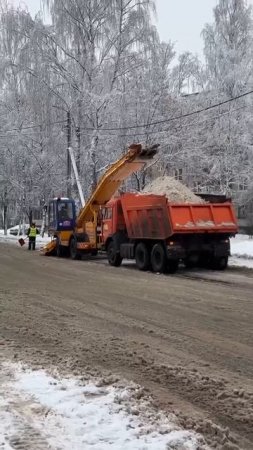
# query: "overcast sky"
(180, 21)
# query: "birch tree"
(228, 51)
(99, 43)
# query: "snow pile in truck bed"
(175, 191)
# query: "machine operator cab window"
(61, 214)
(65, 211)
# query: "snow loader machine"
(74, 235)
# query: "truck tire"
(158, 258)
(142, 256)
(113, 255)
(74, 253)
(219, 263)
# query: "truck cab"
(113, 221)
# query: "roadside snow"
(14, 239)
(242, 246)
(241, 251)
(40, 411)
(241, 262)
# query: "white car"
(14, 231)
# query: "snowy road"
(38, 411)
(186, 338)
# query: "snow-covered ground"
(242, 246)
(40, 411)
(242, 251)
(14, 239)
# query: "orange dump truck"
(159, 234)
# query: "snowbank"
(242, 246)
(241, 262)
(241, 251)
(14, 239)
(39, 411)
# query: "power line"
(133, 127)
(108, 136)
(170, 119)
(33, 126)
(147, 133)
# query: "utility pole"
(79, 186)
(78, 138)
(44, 215)
(68, 155)
(23, 212)
(5, 211)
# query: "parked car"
(14, 231)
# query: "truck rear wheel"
(74, 253)
(219, 263)
(113, 255)
(142, 256)
(158, 258)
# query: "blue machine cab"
(61, 215)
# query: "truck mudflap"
(221, 249)
(127, 250)
(175, 251)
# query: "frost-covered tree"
(101, 63)
(27, 140)
(98, 43)
(228, 46)
(228, 53)
(188, 74)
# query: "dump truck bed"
(209, 217)
(153, 217)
